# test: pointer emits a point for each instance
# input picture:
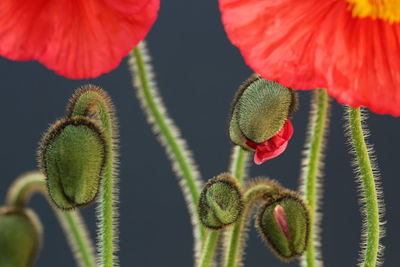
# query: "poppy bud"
(259, 117)
(72, 157)
(20, 237)
(284, 224)
(220, 202)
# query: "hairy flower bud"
(259, 117)
(20, 237)
(284, 224)
(220, 202)
(72, 157)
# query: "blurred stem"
(208, 251)
(92, 100)
(369, 188)
(168, 133)
(232, 235)
(34, 182)
(318, 122)
(238, 165)
(233, 253)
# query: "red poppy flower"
(75, 38)
(350, 47)
(272, 147)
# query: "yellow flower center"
(377, 9)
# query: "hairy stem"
(181, 158)
(208, 251)
(369, 190)
(233, 253)
(34, 182)
(93, 101)
(311, 173)
(232, 235)
(238, 164)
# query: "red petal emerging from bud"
(274, 146)
(280, 218)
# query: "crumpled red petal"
(274, 146)
(318, 44)
(75, 38)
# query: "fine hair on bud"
(72, 157)
(284, 224)
(259, 110)
(221, 202)
(20, 237)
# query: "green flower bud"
(284, 224)
(72, 157)
(259, 111)
(20, 237)
(220, 202)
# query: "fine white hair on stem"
(107, 208)
(181, 143)
(359, 180)
(72, 241)
(306, 165)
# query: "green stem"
(232, 235)
(77, 236)
(24, 187)
(97, 101)
(175, 146)
(311, 173)
(234, 252)
(209, 248)
(369, 188)
(238, 165)
(34, 182)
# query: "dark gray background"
(198, 71)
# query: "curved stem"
(24, 187)
(175, 146)
(34, 182)
(209, 248)
(87, 101)
(234, 250)
(369, 188)
(312, 169)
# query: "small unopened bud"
(284, 224)
(260, 117)
(72, 157)
(220, 202)
(20, 237)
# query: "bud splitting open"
(284, 224)
(260, 118)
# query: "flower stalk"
(176, 148)
(208, 252)
(239, 163)
(232, 235)
(311, 177)
(374, 206)
(74, 228)
(93, 101)
(235, 238)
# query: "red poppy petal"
(274, 146)
(77, 39)
(318, 44)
